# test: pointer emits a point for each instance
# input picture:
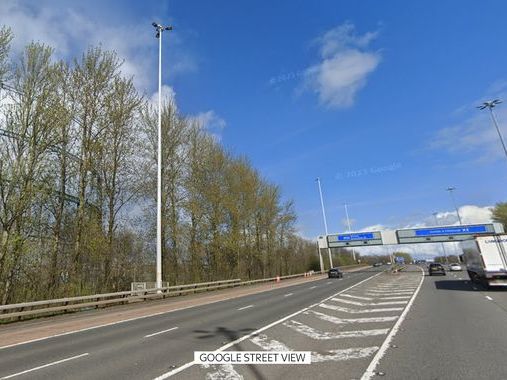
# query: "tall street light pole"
(159, 30)
(350, 230)
(450, 190)
(490, 105)
(443, 247)
(325, 220)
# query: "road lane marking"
(334, 355)
(160, 332)
(256, 332)
(329, 282)
(394, 298)
(222, 371)
(489, 298)
(368, 303)
(357, 297)
(339, 321)
(288, 294)
(390, 294)
(356, 311)
(324, 335)
(370, 371)
(313, 287)
(245, 307)
(45, 366)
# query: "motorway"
(368, 324)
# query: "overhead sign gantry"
(355, 239)
(446, 233)
(437, 234)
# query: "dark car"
(335, 273)
(436, 269)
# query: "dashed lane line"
(160, 332)
(44, 366)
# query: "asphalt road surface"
(369, 324)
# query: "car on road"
(435, 268)
(378, 264)
(335, 273)
(455, 267)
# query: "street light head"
(168, 28)
(157, 35)
(154, 24)
(451, 188)
(489, 104)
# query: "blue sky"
(375, 98)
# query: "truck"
(486, 259)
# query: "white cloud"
(70, 33)
(168, 95)
(345, 65)
(213, 123)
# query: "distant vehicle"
(486, 259)
(435, 268)
(335, 273)
(455, 267)
(388, 263)
(378, 264)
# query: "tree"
(500, 214)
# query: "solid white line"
(245, 307)
(489, 298)
(160, 332)
(313, 287)
(370, 371)
(256, 332)
(45, 365)
(288, 294)
(329, 282)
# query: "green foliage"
(78, 174)
(500, 214)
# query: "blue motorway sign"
(399, 260)
(459, 230)
(359, 236)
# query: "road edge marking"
(370, 371)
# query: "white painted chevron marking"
(357, 297)
(395, 298)
(263, 342)
(267, 344)
(346, 354)
(324, 335)
(368, 303)
(222, 372)
(355, 311)
(339, 321)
